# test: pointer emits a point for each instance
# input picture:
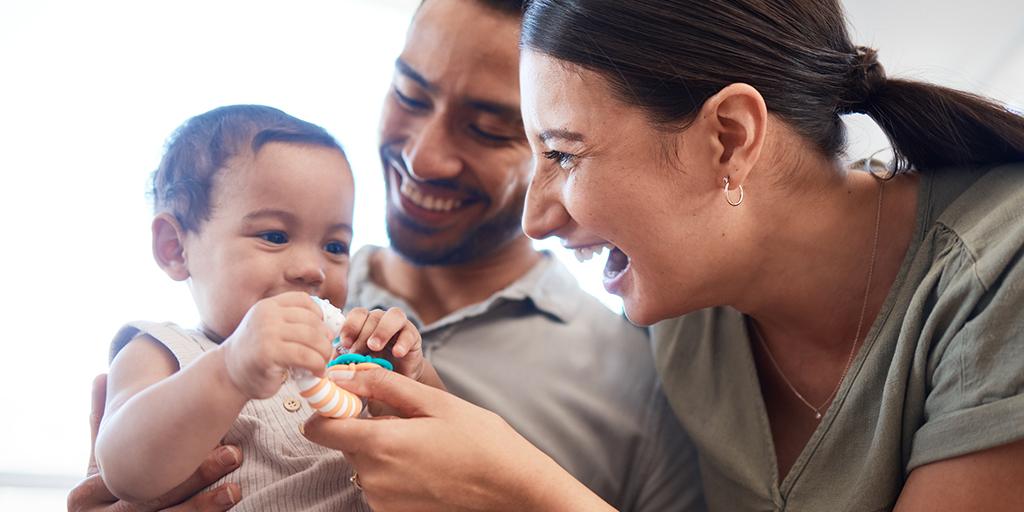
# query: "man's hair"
(514, 7)
(510, 7)
(202, 146)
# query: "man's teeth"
(426, 201)
(585, 253)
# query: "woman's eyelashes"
(564, 160)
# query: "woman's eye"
(275, 237)
(409, 101)
(564, 160)
(336, 248)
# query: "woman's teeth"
(426, 201)
(585, 253)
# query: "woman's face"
(605, 176)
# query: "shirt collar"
(548, 286)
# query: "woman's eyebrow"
(547, 135)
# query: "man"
(506, 326)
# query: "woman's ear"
(169, 246)
(736, 120)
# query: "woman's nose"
(544, 214)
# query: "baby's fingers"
(297, 355)
(408, 341)
(353, 326)
(391, 323)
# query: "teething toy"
(323, 395)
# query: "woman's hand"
(444, 454)
(92, 495)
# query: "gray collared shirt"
(572, 377)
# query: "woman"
(831, 339)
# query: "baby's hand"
(278, 333)
(374, 331)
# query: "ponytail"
(929, 126)
(932, 127)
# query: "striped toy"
(323, 395)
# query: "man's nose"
(432, 153)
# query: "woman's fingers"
(406, 397)
(409, 398)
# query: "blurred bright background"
(91, 90)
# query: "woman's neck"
(810, 287)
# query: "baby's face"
(281, 220)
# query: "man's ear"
(169, 246)
(736, 121)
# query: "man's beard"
(477, 242)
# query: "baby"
(254, 211)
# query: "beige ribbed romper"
(281, 470)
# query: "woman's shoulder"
(985, 221)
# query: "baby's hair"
(202, 146)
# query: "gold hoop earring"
(725, 180)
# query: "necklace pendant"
(817, 415)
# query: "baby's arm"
(162, 422)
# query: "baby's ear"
(169, 247)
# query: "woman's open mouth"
(615, 268)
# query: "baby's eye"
(336, 248)
(275, 237)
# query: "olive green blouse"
(940, 374)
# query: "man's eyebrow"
(547, 135)
(505, 110)
(407, 70)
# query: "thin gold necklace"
(856, 337)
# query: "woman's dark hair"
(510, 7)
(202, 146)
(669, 56)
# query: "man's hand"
(92, 494)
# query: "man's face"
(455, 157)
